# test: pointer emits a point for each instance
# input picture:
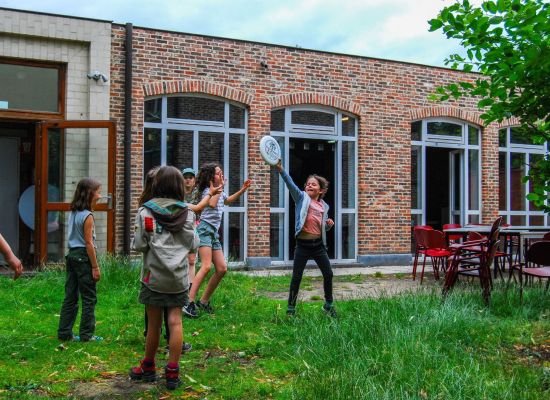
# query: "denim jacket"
(302, 201)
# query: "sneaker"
(206, 307)
(330, 310)
(190, 310)
(172, 376)
(186, 347)
(92, 339)
(73, 338)
(291, 311)
(146, 372)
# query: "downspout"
(128, 137)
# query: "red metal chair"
(453, 238)
(436, 248)
(536, 265)
(419, 245)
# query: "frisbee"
(270, 150)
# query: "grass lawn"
(413, 346)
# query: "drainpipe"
(128, 138)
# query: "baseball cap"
(188, 171)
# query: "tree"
(508, 43)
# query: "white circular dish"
(26, 208)
(270, 150)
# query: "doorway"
(307, 157)
(443, 186)
(17, 165)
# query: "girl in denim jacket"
(311, 225)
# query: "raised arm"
(239, 192)
(294, 190)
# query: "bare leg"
(205, 253)
(192, 257)
(176, 334)
(154, 315)
(221, 269)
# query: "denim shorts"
(208, 236)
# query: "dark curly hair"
(206, 175)
(85, 189)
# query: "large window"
(516, 154)
(322, 141)
(445, 172)
(188, 131)
(21, 82)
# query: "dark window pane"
(473, 179)
(151, 149)
(502, 137)
(444, 129)
(534, 159)
(518, 220)
(473, 135)
(415, 176)
(197, 108)
(520, 136)
(236, 236)
(23, 87)
(236, 117)
(276, 236)
(502, 181)
(416, 130)
(210, 148)
(517, 187)
(235, 175)
(348, 126)
(536, 220)
(348, 236)
(153, 109)
(348, 174)
(179, 149)
(276, 184)
(278, 120)
(316, 118)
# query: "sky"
(388, 29)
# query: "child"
(311, 223)
(191, 197)
(210, 247)
(82, 268)
(164, 234)
(13, 262)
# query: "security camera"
(96, 76)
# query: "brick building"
(129, 98)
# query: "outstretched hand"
(246, 184)
(279, 165)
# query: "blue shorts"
(208, 236)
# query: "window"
(517, 152)
(20, 81)
(188, 131)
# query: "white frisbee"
(270, 150)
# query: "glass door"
(456, 187)
(70, 151)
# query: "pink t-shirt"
(314, 218)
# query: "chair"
(419, 245)
(435, 247)
(536, 265)
(453, 238)
(546, 236)
(473, 258)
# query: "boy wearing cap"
(191, 197)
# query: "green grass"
(405, 347)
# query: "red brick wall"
(386, 96)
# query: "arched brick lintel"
(197, 86)
(292, 99)
(450, 112)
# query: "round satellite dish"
(270, 150)
(26, 208)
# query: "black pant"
(305, 250)
(79, 281)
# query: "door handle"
(109, 198)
